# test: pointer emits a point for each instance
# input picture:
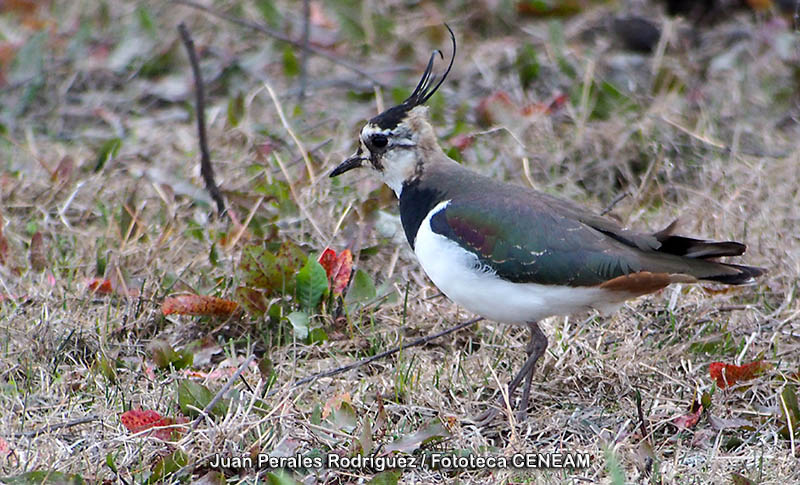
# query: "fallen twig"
(614, 202)
(642, 421)
(304, 56)
(53, 427)
(225, 388)
(355, 365)
(206, 170)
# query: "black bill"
(353, 162)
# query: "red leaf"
(3, 244)
(107, 286)
(727, 375)
(5, 448)
(337, 267)
(462, 141)
(342, 275)
(557, 103)
(493, 107)
(546, 108)
(138, 420)
(328, 260)
(100, 285)
(36, 255)
(689, 420)
(63, 171)
(198, 305)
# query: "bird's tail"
(736, 274)
(705, 268)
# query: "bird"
(512, 254)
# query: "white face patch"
(398, 166)
(370, 130)
(397, 161)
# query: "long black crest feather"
(423, 91)
(426, 87)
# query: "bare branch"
(54, 427)
(222, 391)
(304, 58)
(206, 170)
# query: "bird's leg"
(535, 349)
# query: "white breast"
(459, 275)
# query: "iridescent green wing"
(528, 243)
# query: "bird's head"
(395, 142)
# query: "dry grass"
(661, 150)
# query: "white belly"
(455, 271)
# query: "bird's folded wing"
(525, 241)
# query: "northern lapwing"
(512, 254)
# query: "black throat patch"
(375, 160)
(415, 204)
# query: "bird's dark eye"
(378, 141)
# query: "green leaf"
(362, 289)
(101, 256)
(433, 430)
(527, 65)
(270, 13)
(789, 410)
(127, 223)
(349, 13)
(254, 302)
(312, 283)
(738, 479)
(213, 255)
(299, 321)
(164, 356)
(193, 395)
(28, 65)
(344, 418)
(279, 196)
(281, 477)
(723, 345)
(41, 477)
(272, 272)
(386, 478)
(316, 415)
(236, 109)
(168, 465)
(146, 22)
(317, 336)
(291, 66)
(108, 150)
(614, 468)
(705, 400)
(455, 154)
(365, 439)
(107, 368)
(110, 462)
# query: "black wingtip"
(698, 248)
